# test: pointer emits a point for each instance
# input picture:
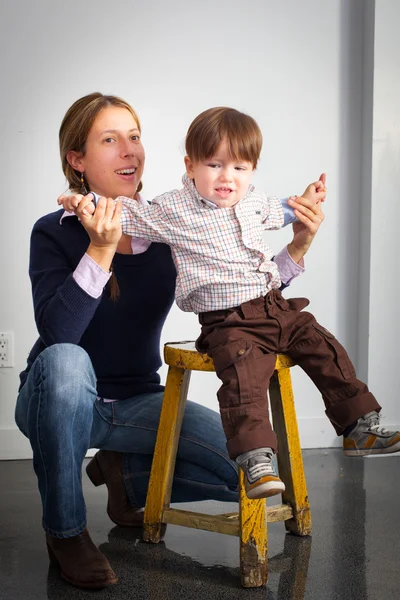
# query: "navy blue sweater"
(122, 337)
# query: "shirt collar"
(189, 185)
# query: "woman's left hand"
(310, 217)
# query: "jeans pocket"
(236, 365)
(342, 359)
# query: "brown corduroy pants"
(243, 343)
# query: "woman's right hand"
(103, 225)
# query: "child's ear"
(189, 167)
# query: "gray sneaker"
(260, 477)
(368, 437)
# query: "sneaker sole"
(265, 490)
(369, 451)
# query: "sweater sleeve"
(63, 310)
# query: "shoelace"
(373, 423)
(259, 465)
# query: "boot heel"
(52, 556)
(94, 472)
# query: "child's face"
(220, 179)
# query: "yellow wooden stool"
(250, 524)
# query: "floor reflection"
(162, 574)
(353, 554)
(293, 565)
(349, 516)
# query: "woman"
(100, 301)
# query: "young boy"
(227, 274)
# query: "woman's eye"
(108, 140)
(135, 138)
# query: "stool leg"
(290, 460)
(162, 468)
(253, 539)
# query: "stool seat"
(185, 356)
(250, 522)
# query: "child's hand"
(316, 192)
(308, 210)
(73, 201)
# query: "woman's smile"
(114, 141)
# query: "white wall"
(384, 323)
(296, 67)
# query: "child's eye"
(240, 168)
(213, 165)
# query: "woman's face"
(114, 158)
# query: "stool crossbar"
(250, 523)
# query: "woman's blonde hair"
(208, 129)
(74, 131)
(75, 128)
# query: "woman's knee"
(67, 361)
(60, 384)
(65, 371)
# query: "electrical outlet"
(6, 350)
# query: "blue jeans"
(58, 410)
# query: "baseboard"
(314, 433)
(14, 445)
(318, 433)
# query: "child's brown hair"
(240, 131)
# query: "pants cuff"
(345, 413)
(258, 439)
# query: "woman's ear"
(189, 167)
(74, 159)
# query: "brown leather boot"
(106, 467)
(81, 562)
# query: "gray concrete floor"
(353, 554)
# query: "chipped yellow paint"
(253, 538)
(290, 460)
(229, 525)
(162, 469)
(279, 512)
(185, 356)
(252, 516)
(250, 524)
(274, 513)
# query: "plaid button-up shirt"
(220, 255)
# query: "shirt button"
(241, 351)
